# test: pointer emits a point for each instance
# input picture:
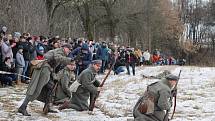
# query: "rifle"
(92, 101)
(175, 95)
(4, 72)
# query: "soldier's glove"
(96, 83)
(174, 92)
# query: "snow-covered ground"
(195, 99)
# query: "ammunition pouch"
(37, 63)
(146, 106)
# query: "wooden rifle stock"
(175, 88)
(92, 101)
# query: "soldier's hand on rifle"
(174, 92)
(100, 89)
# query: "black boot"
(23, 111)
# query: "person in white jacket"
(146, 56)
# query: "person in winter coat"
(138, 54)
(130, 60)
(103, 53)
(65, 78)
(88, 89)
(146, 56)
(84, 57)
(40, 53)
(119, 66)
(6, 49)
(7, 79)
(92, 49)
(41, 79)
(26, 54)
(156, 100)
(20, 63)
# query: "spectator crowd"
(18, 50)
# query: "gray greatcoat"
(87, 88)
(162, 101)
(41, 76)
(66, 78)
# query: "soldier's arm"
(62, 58)
(65, 84)
(163, 101)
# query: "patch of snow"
(195, 99)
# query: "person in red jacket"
(40, 54)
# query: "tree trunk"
(49, 8)
(88, 28)
(110, 19)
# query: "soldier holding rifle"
(89, 88)
(156, 101)
(41, 85)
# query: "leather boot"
(23, 111)
(64, 105)
(47, 109)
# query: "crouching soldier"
(65, 78)
(156, 101)
(41, 85)
(88, 89)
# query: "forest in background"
(181, 28)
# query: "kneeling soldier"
(65, 78)
(87, 90)
(155, 101)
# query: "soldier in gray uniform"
(156, 101)
(41, 77)
(65, 78)
(88, 89)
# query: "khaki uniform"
(161, 91)
(66, 78)
(87, 89)
(42, 75)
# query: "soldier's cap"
(96, 62)
(67, 46)
(172, 77)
